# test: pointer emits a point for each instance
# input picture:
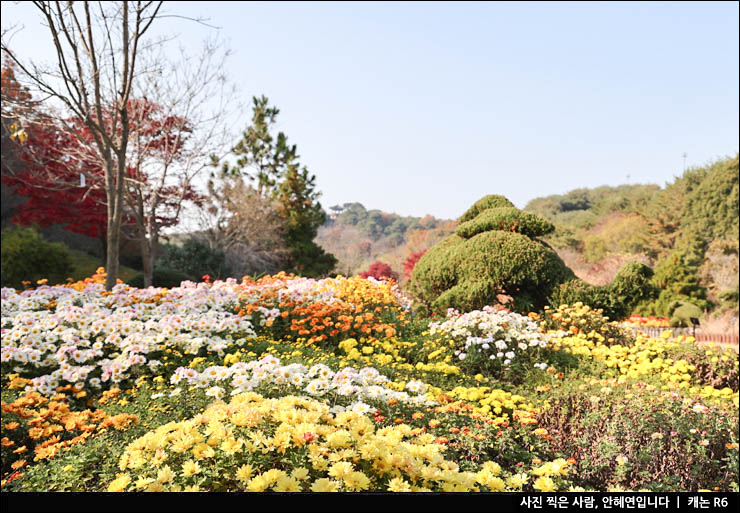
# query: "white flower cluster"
(319, 380)
(89, 338)
(496, 334)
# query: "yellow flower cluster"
(362, 292)
(546, 472)
(490, 402)
(646, 357)
(244, 444)
(581, 319)
(342, 452)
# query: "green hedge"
(26, 256)
(195, 258)
(162, 278)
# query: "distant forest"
(358, 237)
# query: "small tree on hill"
(379, 271)
(410, 263)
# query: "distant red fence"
(721, 338)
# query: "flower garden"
(291, 384)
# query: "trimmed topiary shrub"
(490, 201)
(469, 273)
(508, 219)
(681, 313)
(26, 256)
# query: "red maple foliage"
(50, 161)
(379, 271)
(47, 172)
(410, 263)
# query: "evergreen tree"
(273, 164)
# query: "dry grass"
(599, 273)
(721, 323)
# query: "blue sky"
(420, 108)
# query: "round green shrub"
(595, 296)
(26, 256)
(490, 201)
(163, 277)
(506, 219)
(571, 292)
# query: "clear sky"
(422, 108)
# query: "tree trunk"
(145, 242)
(111, 257)
(115, 214)
(147, 260)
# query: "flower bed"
(293, 384)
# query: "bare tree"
(245, 225)
(179, 122)
(96, 51)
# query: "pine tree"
(273, 164)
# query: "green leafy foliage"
(633, 285)
(616, 233)
(729, 297)
(26, 256)
(617, 300)
(685, 231)
(598, 201)
(711, 209)
(595, 296)
(677, 278)
(376, 224)
(681, 313)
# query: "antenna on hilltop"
(684, 161)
